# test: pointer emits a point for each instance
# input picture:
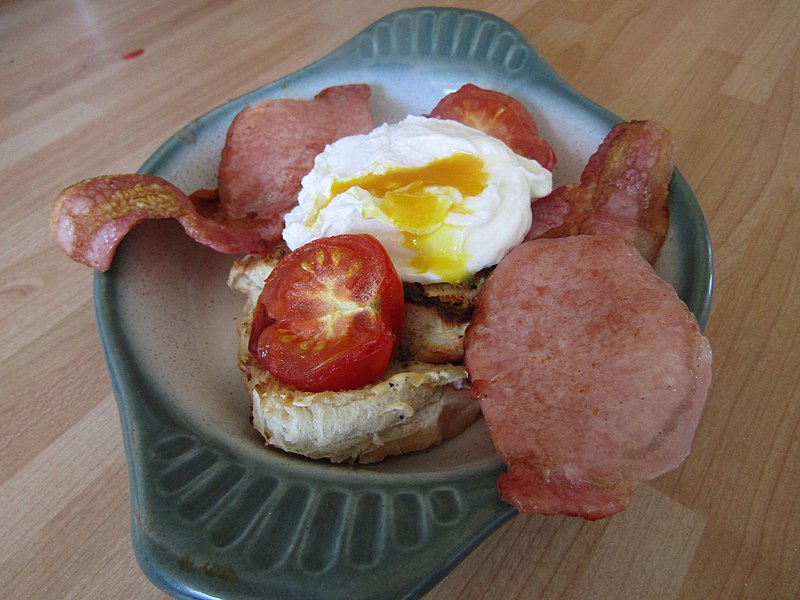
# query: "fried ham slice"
(623, 191)
(591, 373)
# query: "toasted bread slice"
(437, 316)
(413, 406)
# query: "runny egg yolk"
(417, 200)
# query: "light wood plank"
(722, 75)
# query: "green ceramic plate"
(215, 514)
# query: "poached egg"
(444, 199)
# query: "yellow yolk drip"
(440, 252)
(417, 200)
(461, 171)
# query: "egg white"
(489, 224)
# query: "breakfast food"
(427, 270)
(500, 116)
(623, 191)
(91, 217)
(445, 200)
(271, 144)
(591, 373)
(411, 406)
(330, 315)
(437, 315)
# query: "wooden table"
(95, 87)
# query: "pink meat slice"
(591, 373)
(271, 145)
(624, 191)
(90, 218)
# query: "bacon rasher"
(270, 145)
(91, 217)
(623, 191)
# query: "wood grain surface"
(78, 99)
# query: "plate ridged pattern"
(455, 35)
(287, 530)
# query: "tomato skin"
(330, 315)
(500, 116)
